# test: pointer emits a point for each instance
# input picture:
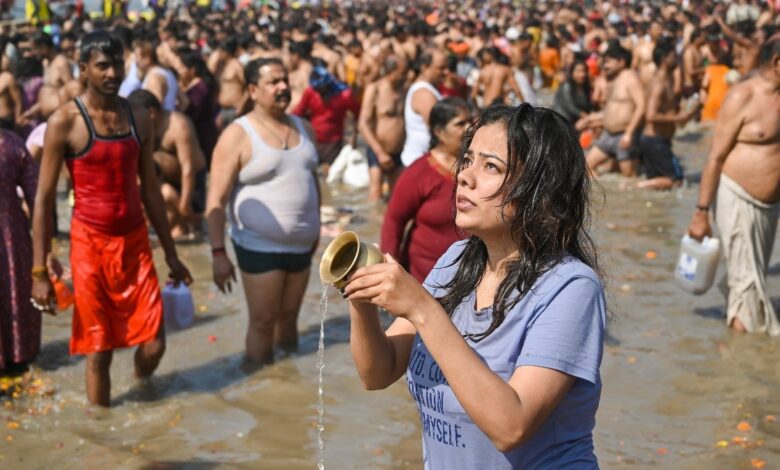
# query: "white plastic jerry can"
(178, 306)
(698, 262)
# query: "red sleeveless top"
(105, 179)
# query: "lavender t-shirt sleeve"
(444, 269)
(567, 332)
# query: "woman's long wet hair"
(547, 189)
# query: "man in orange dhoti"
(107, 146)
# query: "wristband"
(702, 208)
(40, 272)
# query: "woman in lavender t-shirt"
(502, 344)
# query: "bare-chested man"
(325, 49)
(493, 78)
(376, 49)
(419, 101)
(622, 115)
(662, 168)
(743, 173)
(403, 44)
(178, 159)
(643, 53)
(10, 101)
(382, 125)
(57, 71)
(224, 64)
(57, 68)
(693, 64)
(300, 67)
(747, 45)
(271, 47)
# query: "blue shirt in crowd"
(558, 325)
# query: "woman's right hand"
(43, 295)
(224, 272)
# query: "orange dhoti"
(117, 294)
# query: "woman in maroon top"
(20, 322)
(423, 195)
(201, 89)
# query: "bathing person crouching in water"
(502, 344)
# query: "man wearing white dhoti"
(743, 170)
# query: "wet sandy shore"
(678, 386)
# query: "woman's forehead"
(490, 138)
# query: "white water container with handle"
(695, 271)
(178, 306)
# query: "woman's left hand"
(389, 286)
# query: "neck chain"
(282, 142)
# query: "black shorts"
(658, 158)
(257, 262)
(373, 161)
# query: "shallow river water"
(680, 391)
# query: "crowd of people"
(207, 123)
